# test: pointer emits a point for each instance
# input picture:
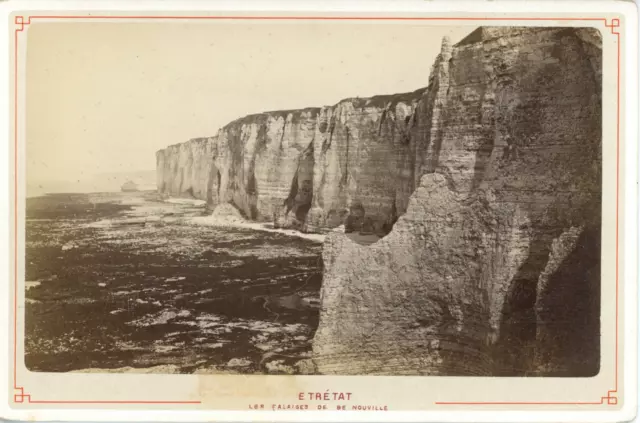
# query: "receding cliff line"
(354, 155)
(493, 269)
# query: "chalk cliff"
(494, 268)
(308, 169)
(486, 184)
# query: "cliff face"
(308, 169)
(494, 171)
(494, 269)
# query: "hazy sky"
(104, 97)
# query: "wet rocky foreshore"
(129, 282)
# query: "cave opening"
(298, 203)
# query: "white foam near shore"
(225, 215)
(214, 221)
(187, 201)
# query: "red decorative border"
(21, 22)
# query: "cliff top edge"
(379, 101)
(479, 35)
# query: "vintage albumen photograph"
(313, 198)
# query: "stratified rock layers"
(306, 169)
(494, 268)
(488, 184)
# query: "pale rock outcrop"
(494, 267)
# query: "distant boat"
(129, 186)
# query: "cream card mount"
(416, 211)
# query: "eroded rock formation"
(494, 269)
(309, 169)
(488, 184)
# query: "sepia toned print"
(449, 230)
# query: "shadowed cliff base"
(568, 313)
(554, 332)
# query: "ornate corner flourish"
(611, 398)
(615, 23)
(21, 396)
(21, 22)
